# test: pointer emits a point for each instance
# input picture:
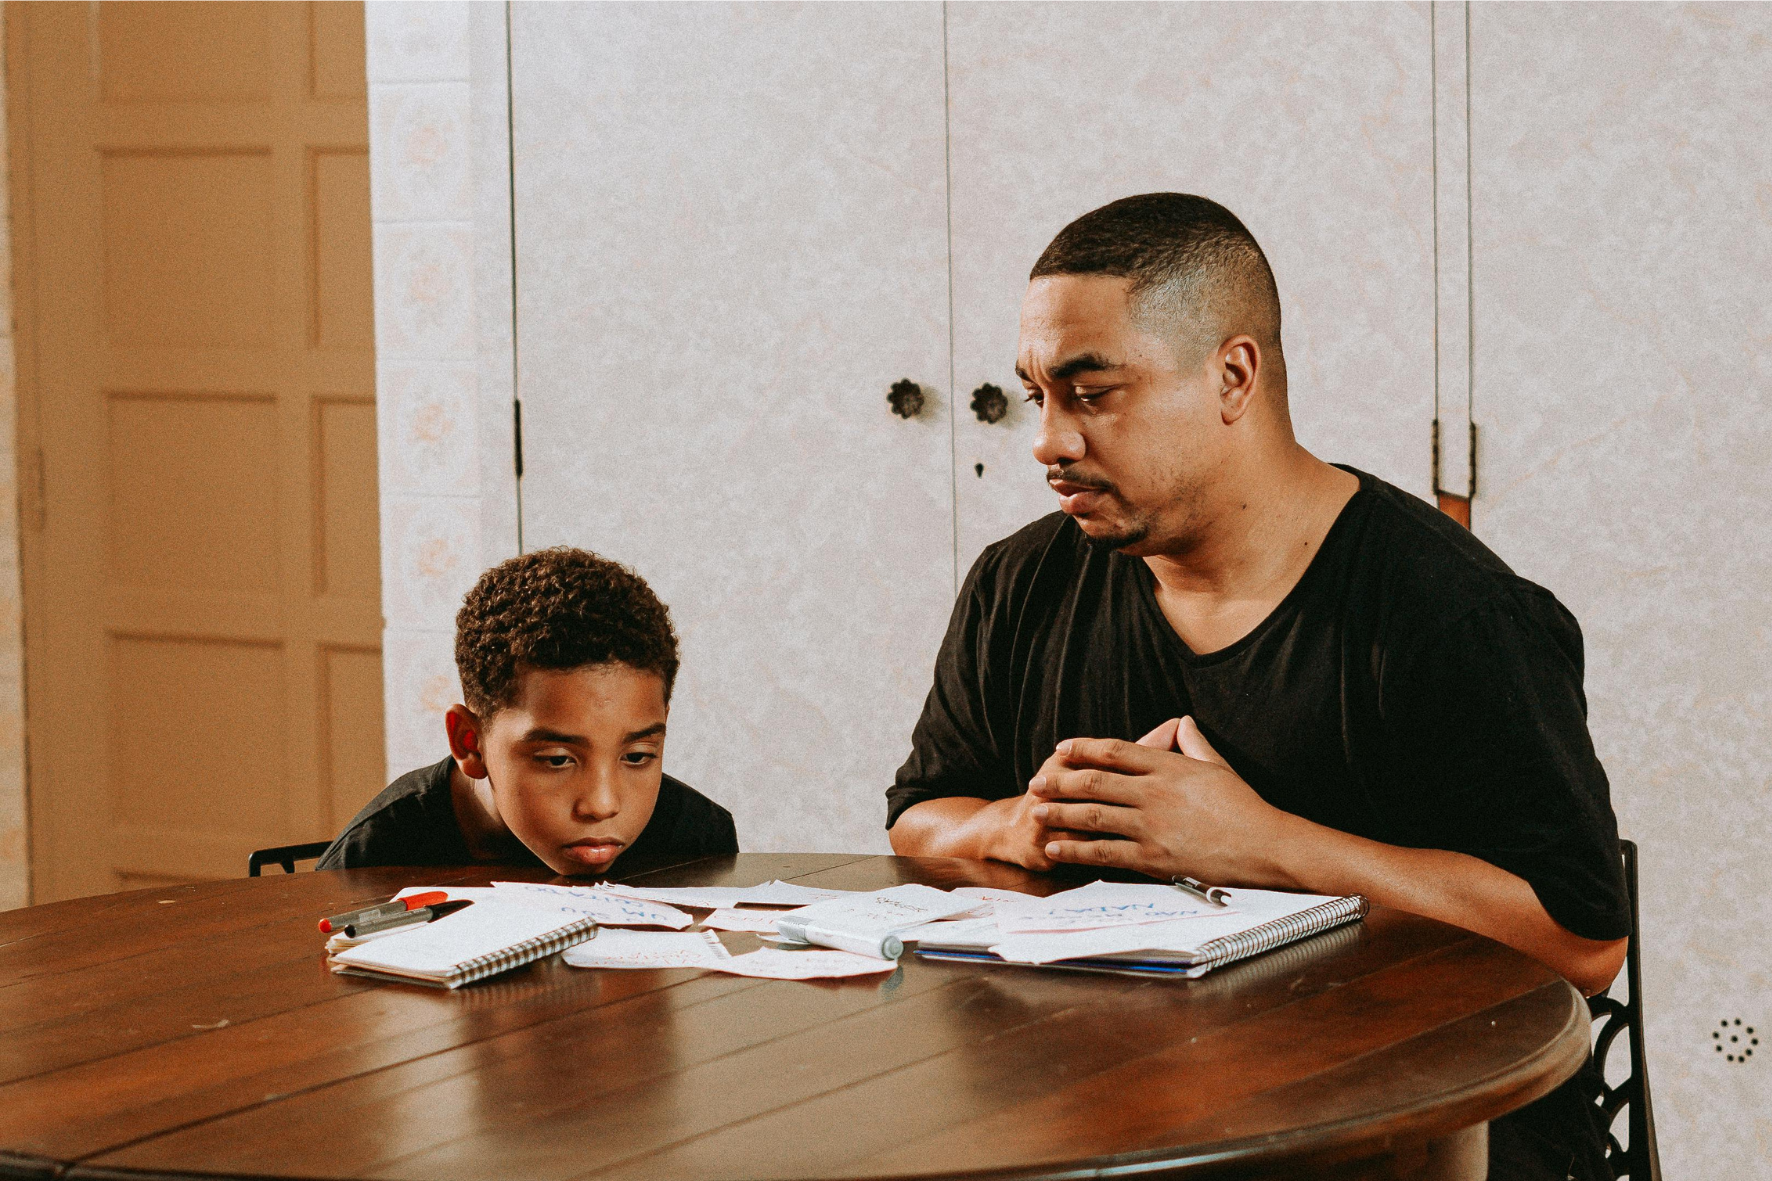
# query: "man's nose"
(1057, 441)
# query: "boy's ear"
(464, 741)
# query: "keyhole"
(979, 468)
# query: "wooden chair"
(1640, 1161)
(286, 856)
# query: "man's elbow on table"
(947, 827)
(1591, 965)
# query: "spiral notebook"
(487, 938)
(1191, 947)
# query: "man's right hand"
(995, 830)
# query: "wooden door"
(731, 244)
(1313, 123)
(190, 186)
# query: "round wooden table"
(196, 1030)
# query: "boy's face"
(575, 762)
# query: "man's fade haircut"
(1192, 264)
(559, 608)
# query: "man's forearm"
(1453, 887)
(959, 826)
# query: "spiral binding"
(1278, 932)
(518, 954)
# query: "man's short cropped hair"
(559, 608)
(1191, 261)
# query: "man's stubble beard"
(1184, 498)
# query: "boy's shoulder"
(684, 822)
(411, 821)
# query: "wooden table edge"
(1434, 1117)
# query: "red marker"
(381, 911)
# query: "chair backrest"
(284, 855)
(1640, 1161)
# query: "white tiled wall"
(439, 487)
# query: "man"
(1339, 690)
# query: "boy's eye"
(1035, 397)
(556, 762)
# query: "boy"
(556, 758)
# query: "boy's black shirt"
(412, 822)
(1411, 689)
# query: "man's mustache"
(1065, 475)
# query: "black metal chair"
(284, 855)
(1639, 1161)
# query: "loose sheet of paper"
(987, 899)
(761, 922)
(456, 893)
(649, 949)
(775, 964)
(702, 949)
(1100, 904)
(775, 893)
(610, 910)
(863, 921)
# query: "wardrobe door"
(1312, 123)
(1623, 221)
(731, 244)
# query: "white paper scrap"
(456, 893)
(610, 910)
(774, 964)
(987, 899)
(762, 922)
(870, 924)
(1101, 904)
(776, 893)
(614, 948)
(649, 949)
(962, 934)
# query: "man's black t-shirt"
(1410, 689)
(412, 822)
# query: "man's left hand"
(1180, 810)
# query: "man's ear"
(465, 734)
(1239, 364)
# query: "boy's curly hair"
(557, 608)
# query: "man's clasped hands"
(1164, 805)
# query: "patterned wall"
(448, 495)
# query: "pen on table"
(367, 914)
(410, 918)
(1208, 894)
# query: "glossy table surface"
(196, 1030)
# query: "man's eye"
(556, 762)
(638, 758)
(1036, 397)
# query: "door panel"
(1312, 123)
(731, 227)
(1624, 384)
(202, 591)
